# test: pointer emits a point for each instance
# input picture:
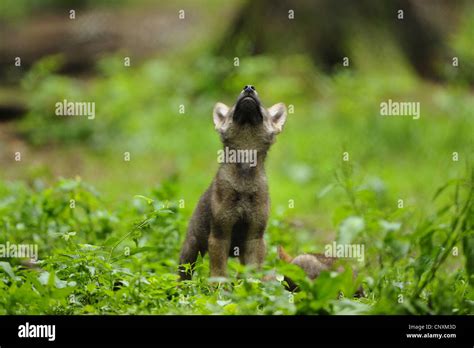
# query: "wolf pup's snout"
(247, 108)
(249, 89)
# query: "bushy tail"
(189, 254)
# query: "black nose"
(249, 88)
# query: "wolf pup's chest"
(241, 202)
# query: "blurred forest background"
(190, 62)
(183, 53)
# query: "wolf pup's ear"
(283, 255)
(220, 115)
(278, 116)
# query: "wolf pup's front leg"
(218, 254)
(231, 216)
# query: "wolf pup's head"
(248, 124)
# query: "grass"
(93, 260)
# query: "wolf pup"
(231, 216)
(313, 265)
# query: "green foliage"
(94, 261)
(137, 110)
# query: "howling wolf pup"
(231, 216)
